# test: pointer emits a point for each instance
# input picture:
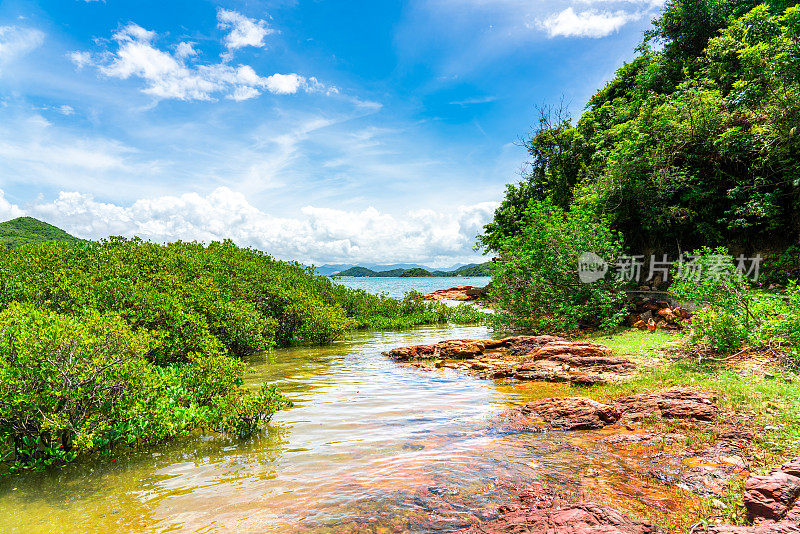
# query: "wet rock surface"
(544, 358)
(569, 413)
(460, 293)
(541, 512)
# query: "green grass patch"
(771, 406)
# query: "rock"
(541, 513)
(547, 358)
(641, 325)
(792, 467)
(678, 403)
(573, 413)
(770, 496)
(769, 528)
(460, 293)
(772, 502)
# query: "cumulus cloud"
(244, 31)
(316, 235)
(7, 209)
(16, 41)
(169, 75)
(590, 23)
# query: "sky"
(318, 131)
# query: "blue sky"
(318, 131)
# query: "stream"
(369, 446)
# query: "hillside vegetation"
(694, 143)
(24, 230)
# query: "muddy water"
(368, 447)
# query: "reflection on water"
(368, 447)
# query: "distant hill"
(474, 269)
(335, 268)
(359, 272)
(24, 230)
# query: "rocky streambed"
(673, 441)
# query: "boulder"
(572, 413)
(772, 502)
(677, 403)
(770, 496)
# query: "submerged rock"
(547, 514)
(547, 358)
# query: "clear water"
(369, 447)
(397, 287)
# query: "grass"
(771, 406)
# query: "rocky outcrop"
(547, 358)
(460, 293)
(573, 413)
(545, 514)
(772, 502)
(675, 403)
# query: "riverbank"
(687, 430)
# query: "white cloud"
(590, 23)
(168, 76)
(244, 31)
(284, 84)
(184, 50)
(243, 92)
(316, 235)
(80, 59)
(8, 210)
(16, 42)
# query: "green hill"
(415, 272)
(359, 272)
(24, 230)
(473, 269)
(482, 269)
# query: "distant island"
(473, 269)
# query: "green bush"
(733, 313)
(71, 385)
(536, 281)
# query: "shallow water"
(399, 286)
(368, 447)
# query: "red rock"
(578, 518)
(681, 403)
(573, 413)
(792, 467)
(461, 293)
(770, 496)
